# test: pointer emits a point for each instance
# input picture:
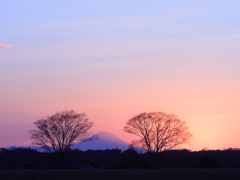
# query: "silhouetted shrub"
(206, 162)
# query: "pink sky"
(116, 59)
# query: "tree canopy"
(57, 133)
(157, 131)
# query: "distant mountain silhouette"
(40, 149)
(106, 141)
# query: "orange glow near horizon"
(205, 111)
(207, 117)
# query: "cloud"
(27, 143)
(5, 46)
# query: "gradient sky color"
(116, 59)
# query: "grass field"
(102, 174)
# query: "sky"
(116, 59)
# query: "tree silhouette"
(157, 131)
(57, 133)
(206, 162)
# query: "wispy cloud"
(27, 143)
(5, 46)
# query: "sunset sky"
(116, 59)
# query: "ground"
(168, 174)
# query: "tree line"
(130, 159)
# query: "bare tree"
(157, 131)
(57, 133)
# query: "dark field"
(179, 174)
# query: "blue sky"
(115, 59)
